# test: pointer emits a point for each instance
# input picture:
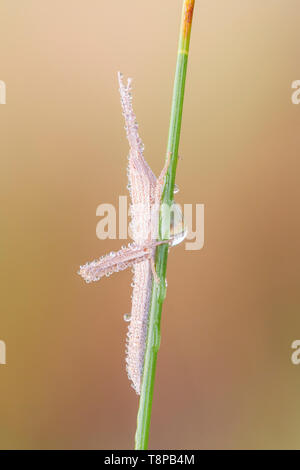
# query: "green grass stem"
(159, 290)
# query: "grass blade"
(159, 290)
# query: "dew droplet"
(127, 317)
(178, 230)
(176, 189)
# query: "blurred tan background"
(224, 377)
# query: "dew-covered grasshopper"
(145, 192)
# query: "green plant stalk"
(159, 290)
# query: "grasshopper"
(145, 193)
